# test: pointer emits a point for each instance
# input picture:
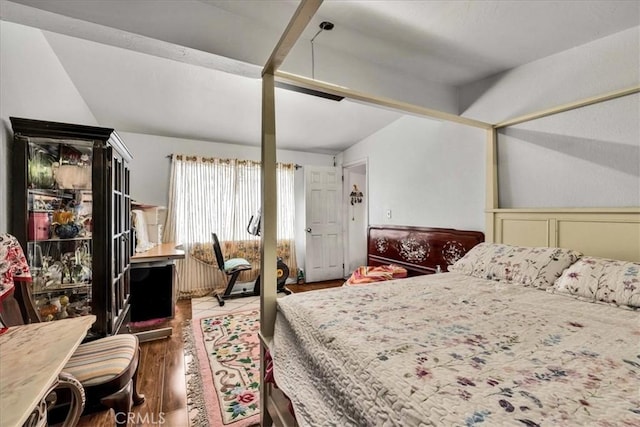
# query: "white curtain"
(212, 195)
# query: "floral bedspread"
(450, 349)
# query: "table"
(31, 359)
(161, 252)
(153, 287)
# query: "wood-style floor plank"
(151, 383)
(161, 374)
(174, 403)
(314, 286)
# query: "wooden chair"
(106, 368)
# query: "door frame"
(346, 190)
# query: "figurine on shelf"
(48, 312)
(66, 231)
(63, 224)
(64, 302)
(54, 274)
(81, 273)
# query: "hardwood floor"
(161, 374)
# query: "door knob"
(309, 230)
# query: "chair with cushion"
(106, 368)
(232, 269)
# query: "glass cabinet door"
(59, 227)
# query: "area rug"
(222, 359)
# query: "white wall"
(589, 157)
(150, 167)
(428, 173)
(34, 85)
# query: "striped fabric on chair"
(102, 360)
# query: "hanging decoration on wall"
(356, 195)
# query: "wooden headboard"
(601, 232)
(418, 249)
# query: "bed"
(523, 355)
(512, 336)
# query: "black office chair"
(232, 269)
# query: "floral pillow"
(601, 279)
(535, 267)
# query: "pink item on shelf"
(39, 225)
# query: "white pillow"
(537, 267)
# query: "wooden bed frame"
(418, 249)
(608, 232)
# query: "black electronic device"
(254, 224)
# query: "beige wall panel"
(617, 240)
(524, 232)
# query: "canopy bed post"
(297, 24)
(492, 182)
(269, 228)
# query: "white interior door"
(323, 195)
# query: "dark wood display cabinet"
(71, 211)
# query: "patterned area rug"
(222, 356)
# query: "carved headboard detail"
(419, 249)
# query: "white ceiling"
(159, 62)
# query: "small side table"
(153, 287)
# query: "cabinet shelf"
(59, 240)
(74, 288)
(55, 192)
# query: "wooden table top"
(159, 252)
(31, 357)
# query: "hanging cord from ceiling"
(324, 26)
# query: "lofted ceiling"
(191, 68)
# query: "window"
(210, 195)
